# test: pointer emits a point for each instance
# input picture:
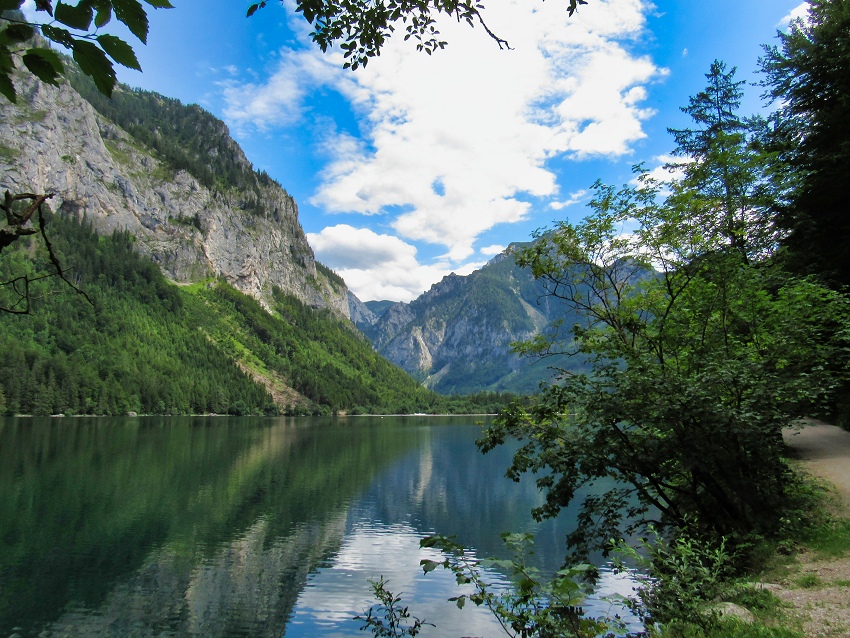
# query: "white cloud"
(668, 169)
(495, 249)
(378, 266)
(800, 12)
(663, 174)
(279, 100)
(573, 199)
(479, 122)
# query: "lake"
(226, 526)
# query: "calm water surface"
(247, 526)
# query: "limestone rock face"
(54, 141)
(457, 336)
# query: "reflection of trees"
(451, 488)
(248, 586)
(84, 503)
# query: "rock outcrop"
(54, 141)
(457, 336)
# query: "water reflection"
(242, 527)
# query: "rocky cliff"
(193, 225)
(457, 336)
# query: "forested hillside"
(148, 346)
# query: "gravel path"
(825, 452)
(823, 609)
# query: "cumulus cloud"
(279, 100)
(572, 200)
(800, 12)
(495, 249)
(378, 266)
(452, 144)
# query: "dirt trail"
(825, 453)
(822, 604)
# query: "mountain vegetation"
(457, 337)
(702, 346)
(146, 345)
(806, 77)
(187, 137)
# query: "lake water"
(224, 526)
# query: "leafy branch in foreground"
(76, 28)
(389, 619)
(529, 607)
(362, 27)
(679, 581)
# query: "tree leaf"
(253, 8)
(119, 51)
(104, 15)
(44, 5)
(94, 63)
(58, 35)
(7, 65)
(44, 64)
(160, 4)
(10, 5)
(132, 13)
(76, 17)
(429, 565)
(17, 33)
(7, 88)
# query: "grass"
(808, 581)
(732, 628)
(829, 539)
(120, 156)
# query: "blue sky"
(419, 166)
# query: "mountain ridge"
(193, 226)
(457, 336)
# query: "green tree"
(699, 350)
(807, 77)
(726, 182)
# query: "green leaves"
(131, 13)
(94, 63)
(77, 17)
(253, 8)
(58, 35)
(104, 15)
(72, 29)
(7, 88)
(16, 33)
(45, 64)
(119, 51)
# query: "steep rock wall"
(53, 141)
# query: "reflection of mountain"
(241, 527)
(248, 587)
(451, 488)
(97, 507)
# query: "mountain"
(203, 293)
(169, 174)
(457, 336)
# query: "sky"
(417, 166)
